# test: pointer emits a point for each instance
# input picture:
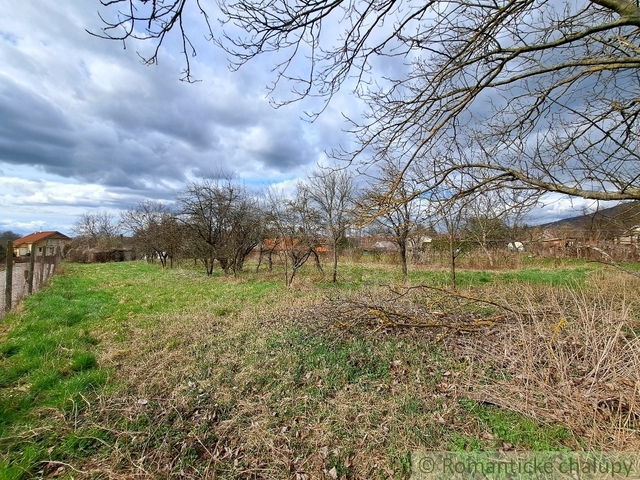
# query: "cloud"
(33, 130)
(107, 129)
(86, 125)
(556, 207)
(21, 193)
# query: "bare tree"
(198, 212)
(451, 217)
(331, 192)
(99, 229)
(155, 230)
(245, 230)
(486, 230)
(486, 217)
(223, 220)
(541, 94)
(6, 236)
(298, 225)
(398, 213)
(271, 241)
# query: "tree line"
(6, 236)
(491, 104)
(217, 221)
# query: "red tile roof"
(37, 236)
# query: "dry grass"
(224, 397)
(558, 355)
(572, 358)
(312, 383)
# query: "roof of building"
(37, 236)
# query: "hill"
(613, 220)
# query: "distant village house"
(45, 243)
(630, 237)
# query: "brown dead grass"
(211, 396)
(562, 356)
(192, 395)
(573, 358)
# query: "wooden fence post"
(8, 287)
(32, 262)
(58, 259)
(42, 277)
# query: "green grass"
(532, 276)
(48, 354)
(509, 429)
(47, 361)
(347, 362)
(556, 278)
(233, 362)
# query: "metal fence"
(24, 275)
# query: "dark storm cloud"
(32, 128)
(287, 153)
(96, 114)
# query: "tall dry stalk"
(572, 358)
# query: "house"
(45, 243)
(283, 244)
(554, 242)
(385, 246)
(630, 237)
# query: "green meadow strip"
(47, 364)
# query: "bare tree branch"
(545, 94)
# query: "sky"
(86, 126)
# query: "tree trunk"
(453, 254)
(317, 258)
(261, 252)
(488, 254)
(403, 259)
(335, 262)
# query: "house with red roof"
(45, 243)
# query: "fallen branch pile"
(561, 356)
(414, 308)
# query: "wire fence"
(21, 276)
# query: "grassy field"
(124, 370)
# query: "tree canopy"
(540, 95)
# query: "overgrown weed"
(572, 359)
